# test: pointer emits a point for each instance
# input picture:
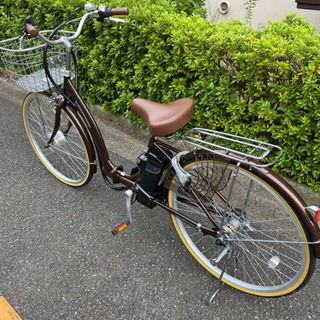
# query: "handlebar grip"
(33, 31)
(119, 11)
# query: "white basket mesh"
(25, 66)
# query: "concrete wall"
(264, 11)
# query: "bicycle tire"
(260, 261)
(67, 158)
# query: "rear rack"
(244, 150)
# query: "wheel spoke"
(66, 157)
(260, 224)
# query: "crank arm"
(122, 226)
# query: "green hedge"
(262, 84)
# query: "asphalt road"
(60, 261)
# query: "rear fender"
(278, 184)
(294, 199)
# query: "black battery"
(152, 166)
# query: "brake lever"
(115, 19)
(27, 20)
(99, 19)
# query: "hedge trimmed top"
(261, 84)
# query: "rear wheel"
(67, 157)
(261, 229)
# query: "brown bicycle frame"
(118, 176)
(116, 173)
(107, 167)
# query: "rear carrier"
(153, 167)
(253, 152)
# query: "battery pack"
(153, 166)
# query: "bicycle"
(241, 221)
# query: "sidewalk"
(60, 260)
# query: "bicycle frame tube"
(203, 229)
(107, 167)
(92, 126)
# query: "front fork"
(57, 122)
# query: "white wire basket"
(24, 62)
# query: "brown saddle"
(164, 119)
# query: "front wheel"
(264, 253)
(66, 157)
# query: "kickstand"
(216, 291)
(220, 285)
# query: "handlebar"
(119, 11)
(32, 30)
(103, 12)
(106, 12)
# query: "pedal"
(120, 227)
